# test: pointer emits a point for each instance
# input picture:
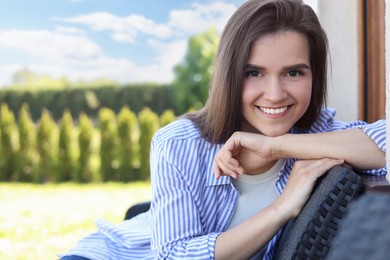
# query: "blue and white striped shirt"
(190, 207)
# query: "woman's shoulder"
(180, 129)
(327, 122)
(325, 119)
(181, 140)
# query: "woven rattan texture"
(310, 234)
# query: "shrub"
(149, 124)
(8, 144)
(108, 144)
(46, 145)
(128, 131)
(167, 117)
(67, 150)
(85, 171)
(27, 155)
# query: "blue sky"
(124, 40)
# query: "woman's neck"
(262, 167)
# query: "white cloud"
(169, 54)
(69, 30)
(67, 50)
(7, 71)
(121, 70)
(124, 29)
(201, 17)
(181, 22)
(76, 57)
(47, 45)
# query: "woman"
(266, 103)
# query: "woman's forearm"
(246, 239)
(352, 145)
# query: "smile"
(273, 111)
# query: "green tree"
(86, 172)
(191, 85)
(23, 76)
(8, 144)
(27, 155)
(46, 145)
(67, 149)
(128, 136)
(28, 79)
(108, 144)
(167, 117)
(149, 124)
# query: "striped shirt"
(190, 207)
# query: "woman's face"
(278, 82)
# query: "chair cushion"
(137, 209)
(365, 232)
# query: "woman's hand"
(257, 230)
(244, 152)
(301, 182)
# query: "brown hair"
(221, 116)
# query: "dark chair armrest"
(309, 235)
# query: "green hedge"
(114, 148)
(89, 100)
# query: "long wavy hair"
(222, 116)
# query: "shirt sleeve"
(376, 131)
(177, 228)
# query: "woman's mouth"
(273, 111)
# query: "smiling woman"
(227, 178)
(277, 83)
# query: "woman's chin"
(273, 132)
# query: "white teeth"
(273, 111)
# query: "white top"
(256, 192)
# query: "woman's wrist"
(282, 210)
(279, 147)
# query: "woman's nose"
(274, 90)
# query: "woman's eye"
(294, 73)
(252, 74)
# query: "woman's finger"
(226, 167)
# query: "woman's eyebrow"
(288, 67)
(297, 66)
(251, 66)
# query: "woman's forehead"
(285, 48)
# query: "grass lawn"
(40, 221)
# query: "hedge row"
(90, 100)
(115, 147)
